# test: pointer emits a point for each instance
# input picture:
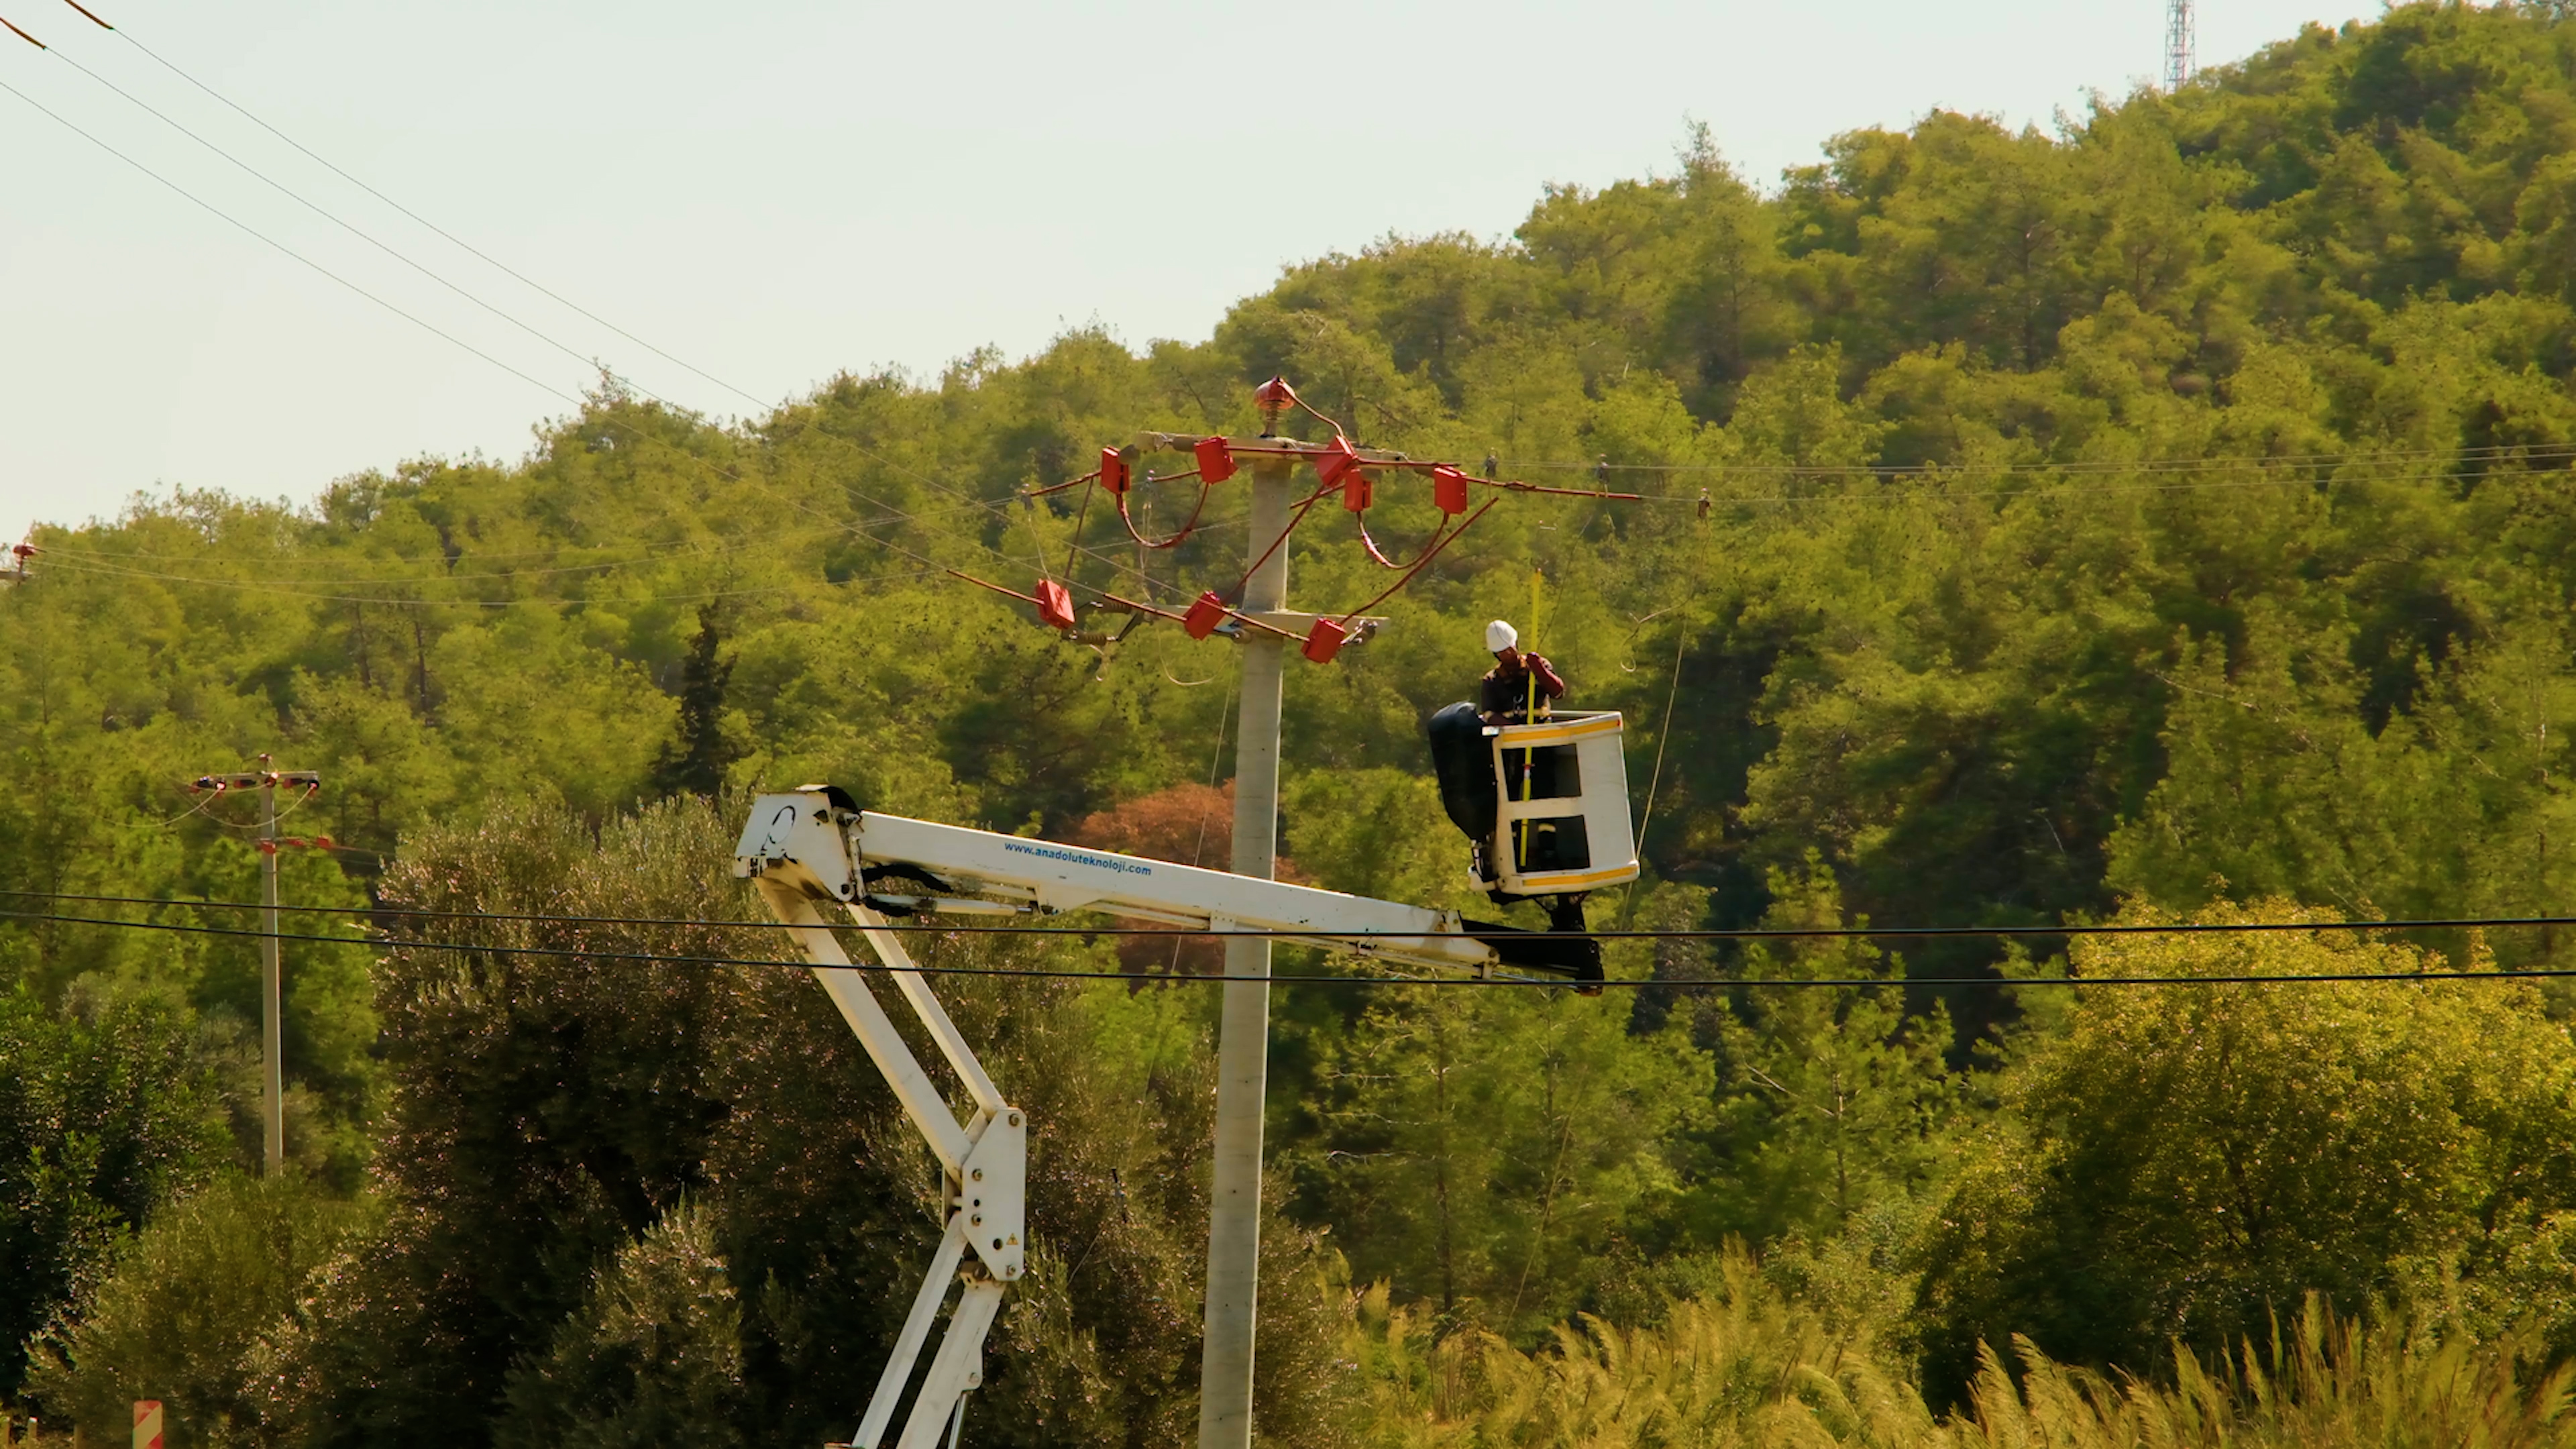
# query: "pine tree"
(694, 763)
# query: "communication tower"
(2179, 44)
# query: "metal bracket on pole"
(984, 1163)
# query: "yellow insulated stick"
(1531, 715)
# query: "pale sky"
(778, 192)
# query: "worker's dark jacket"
(1461, 755)
(1507, 691)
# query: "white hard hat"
(1499, 636)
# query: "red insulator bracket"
(1449, 489)
(1205, 613)
(1337, 459)
(1114, 472)
(1055, 604)
(1216, 460)
(1325, 640)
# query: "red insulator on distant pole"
(1449, 489)
(1114, 474)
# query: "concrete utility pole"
(271, 975)
(1243, 1039)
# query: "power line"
(459, 342)
(2180, 12)
(443, 281)
(997, 509)
(651, 552)
(1739, 933)
(449, 236)
(2498, 451)
(252, 586)
(994, 509)
(330, 216)
(282, 247)
(1041, 973)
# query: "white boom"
(810, 847)
(842, 854)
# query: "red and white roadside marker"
(147, 1424)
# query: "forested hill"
(2167, 513)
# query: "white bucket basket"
(1562, 824)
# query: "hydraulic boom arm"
(811, 849)
(899, 866)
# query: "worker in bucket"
(1517, 690)
(1459, 755)
(1506, 695)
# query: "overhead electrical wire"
(253, 586)
(575, 307)
(1728, 933)
(1794, 469)
(2177, 464)
(246, 228)
(1076, 548)
(459, 242)
(586, 953)
(577, 402)
(58, 553)
(970, 500)
(997, 509)
(352, 228)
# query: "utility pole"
(271, 1017)
(1243, 1036)
(2181, 41)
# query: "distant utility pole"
(2180, 43)
(272, 1031)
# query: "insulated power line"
(1738, 933)
(1789, 982)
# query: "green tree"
(193, 1310)
(106, 1108)
(1830, 1100)
(2183, 1161)
(1484, 1149)
(653, 1356)
(707, 743)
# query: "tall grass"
(1744, 1366)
